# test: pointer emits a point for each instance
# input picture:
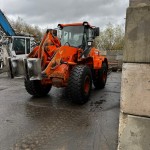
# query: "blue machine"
(17, 44)
(5, 25)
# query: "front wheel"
(36, 88)
(100, 77)
(79, 84)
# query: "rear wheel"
(79, 84)
(36, 88)
(100, 77)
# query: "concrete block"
(137, 2)
(134, 133)
(137, 36)
(135, 89)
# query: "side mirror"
(96, 31)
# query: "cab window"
(19, 46)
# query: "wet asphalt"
(55, 123)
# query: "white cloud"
(46, 13)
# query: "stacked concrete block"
(135, 3)
(134, 133)
(137, 47)
(135, 92)
(134, 126)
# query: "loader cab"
(79, 35)
(20, 45)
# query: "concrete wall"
(135, 94)
(137, 35)
(134, 126)
(115, 56)
(134, 132)
(136, 2)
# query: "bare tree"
(111, 38)
(23, 28)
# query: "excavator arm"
(5, 25)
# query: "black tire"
(79, 84)
(100, 77)
(36, 89)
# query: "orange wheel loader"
(70, 61)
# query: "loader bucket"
(16, 67)
(33, 68)
(29, 68)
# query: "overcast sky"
(48, 13)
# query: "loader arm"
(46, 49)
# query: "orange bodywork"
(73, 24)
(57, 61)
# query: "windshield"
(19, 45)
(72, 35)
